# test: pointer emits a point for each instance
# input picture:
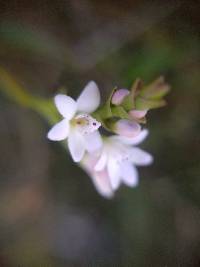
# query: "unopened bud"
(127, 128)
(119, 96)
(137, 114)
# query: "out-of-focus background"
(50, 213)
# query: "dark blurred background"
(50, 213)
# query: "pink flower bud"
(137, 114)
(127, 128)
(119, 96)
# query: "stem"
(15, 92)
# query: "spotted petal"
(65, 105)
(59, 131)
(89, 99)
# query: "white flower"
(116, 163)
(79, 127)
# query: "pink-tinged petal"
(134, 140)
(65, 105)
(101, 163)
(59, 131)
(89, 161)
(129, 174)
(76, 146)
(93, 141)
(137, 114)
(114, 173)
(100, 179)
(127, 128)
(102, 184)
(89, 99)
(140, 157)
(119, 96)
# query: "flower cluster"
(112, 160)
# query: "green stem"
(15, 92)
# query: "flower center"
(85, 123)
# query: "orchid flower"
(80, 128)
(117, 163)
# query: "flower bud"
(119, 96)
(127, 128)
(137, 114)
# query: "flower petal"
(76, 145)
(102, 184)
(140, 157)
(92, 141)
(89, 99)
(59, 131)
(65, 105)
(129, 174)
(134, 140)
(101, 163)
(114, 173)
(100, 179)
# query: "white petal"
(65, 105)
(134, 140)
(140, 157)
(59, 131)
(114, 173)
(76, 145)
(129, 174)
(101, 163)
(89, 99)
(92, 141)
(102, 184)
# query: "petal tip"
(89, 99)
